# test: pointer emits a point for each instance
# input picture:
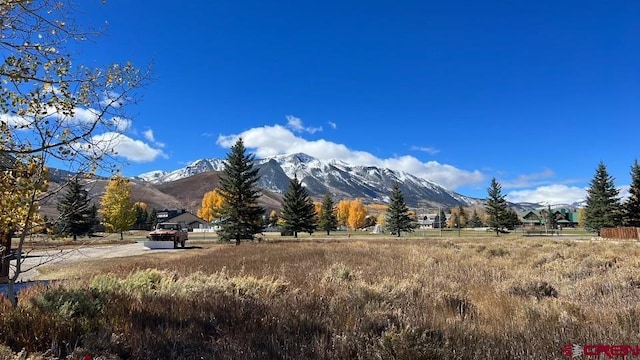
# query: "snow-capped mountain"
(196, 167)
(342, 180)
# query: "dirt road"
(35, 260)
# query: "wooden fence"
(627, 233)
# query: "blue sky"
(533, 93)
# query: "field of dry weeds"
(467, 298)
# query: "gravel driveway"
(36, 259)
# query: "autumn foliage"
(212, 202)
(116, 208)
(357, 214)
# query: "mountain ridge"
(342, 180)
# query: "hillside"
(189, 191)
(185, 193)
(184, 188)
(140, 191)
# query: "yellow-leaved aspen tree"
(342, 212)
(357, 213)
(212, 203)
(142, 205)
(116, 208)
(581, 217)
(21, 185)
(53, 107)
(453, 219)
(273, 218)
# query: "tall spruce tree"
(298, 212)
(328, 219)
(241, 216)
(77, 217)
(152, 219)
(513, 219)
(398, 219)
(631, 208)
(475, 220)
(603, 204)
(142, 216)
(441, 220)
(496, 208)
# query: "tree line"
(603, 208)
(234, 204)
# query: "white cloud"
(529, 180)
(89, 116)
(295, 124)
(81, 116)
(120, 124)
(148, 134)
(428, 149)
(549, 194)
(126, 147)
(14, 120)
(333, 125)
(276, 140)
(112, 99)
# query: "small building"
(192, 221)
(563, 217)
(431, 220)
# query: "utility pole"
(422, 222)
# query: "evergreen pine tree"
(75, 211)
(93, 219)
(328, 220)
(298, 212)
(241, 217)
(398, 219)
(475, 220)
(603, 204)
(496, 207)
(441, 220)
(152, 219)
(631, 207)
(141, 217)
(512, 220)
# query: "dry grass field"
(357, 298)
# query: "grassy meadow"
(357, 297)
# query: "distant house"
(563, 217)
(182, 215)
(431, 221)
